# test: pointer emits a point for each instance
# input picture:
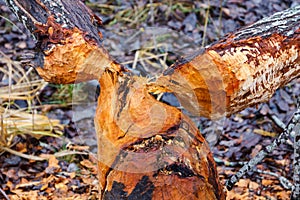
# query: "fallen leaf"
(253, 185)
(53, 162)
(11, 174)
(21, 147)
(88, 164)
(266, 182)
(255, 150)
(243, 183)
(10, 185)
(282, 162)
(285, 195)
(23, 181)
(52, 165)
(62, 187)
(44, 187)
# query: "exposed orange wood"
(150, 146)
(233, 75)
(71, 57)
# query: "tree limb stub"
(69, 42)
(242, 70)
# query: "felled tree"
(147, 149)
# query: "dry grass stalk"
(20, 84)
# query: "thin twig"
(45, 157)
(146, 58)
(4, 194)
(296, 162)
(205, 24)
(277, 121)
(220, 20)
(151, 13)
(283, 137)
(283, 181)
(228, 163)
(12, 23)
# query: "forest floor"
(47, 137)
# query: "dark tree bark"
(147, 149)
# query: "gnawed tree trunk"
(69, 44)
(242, 70)
(147, 149)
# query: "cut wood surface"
(240, 71)
(147, 149)
(69, 44)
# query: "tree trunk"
(147, 149)
(242, 70)
(69, 44)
